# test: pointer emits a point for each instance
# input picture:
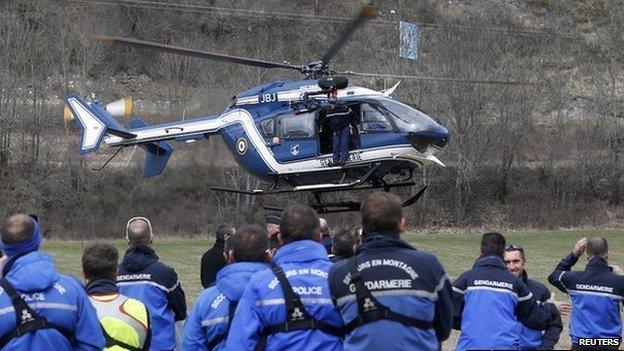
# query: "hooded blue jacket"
(141, 276)
(60, 299)
(306, 265)
(489, 302)
(209, 318)
(596, 294)
(409, 282)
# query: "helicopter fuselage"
(273, 134)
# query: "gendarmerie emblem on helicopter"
(241, 146)
(294, 149)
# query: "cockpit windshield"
(407, 118)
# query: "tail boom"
(193, 129)
(96, 124)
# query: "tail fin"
(156, 152)
(94, 123)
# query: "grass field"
(456, 251)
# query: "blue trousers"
(341, 145)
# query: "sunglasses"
(514, 247)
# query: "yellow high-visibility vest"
(125, 321)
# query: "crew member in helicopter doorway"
(339, 117)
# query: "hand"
(579, 248)
(617, 269)
(563, 307)
(2, 259)
(270, 254)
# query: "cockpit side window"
(374, 120)
(268, 128)
(405, 117)
(297, 125)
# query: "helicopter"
(277, 133)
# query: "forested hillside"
(548, 154)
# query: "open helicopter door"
(296, 136)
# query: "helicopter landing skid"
(323, 187)
(365, 182)
(318, 190)
(351, 206)
(314, 188)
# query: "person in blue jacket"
(288, 307)
(207, 325)
(345, 244)
(596, 294)
(515, 259)
(49, 311)
(143, 277)
(397, 298)
(326, 235)
(489, 302)
(340, 117)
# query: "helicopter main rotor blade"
(196, 53)
(436, 79)
(367, 12)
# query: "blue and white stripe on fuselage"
(258, 145)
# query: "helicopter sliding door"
(296, 137)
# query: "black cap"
(273, 219)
